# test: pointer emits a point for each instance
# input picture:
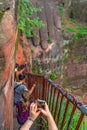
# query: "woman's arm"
(51, 123)
(32, 89)
(26, 125)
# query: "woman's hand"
(34, 113)
(34, 85)
(45, 111)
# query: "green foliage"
(71, 30)
(79, 32)
(32, 51)
(26, 22)
(81, 58)
(44, 123)
(82, 28)
(78, 36)
(72, 20)
(1, 15)
(73, 14)
(61, 9)
(65, 53)
(79, 29)
(63, 22)
(40, 71)
(37, 70)
(75, 117)
(53, 76)
(84, 124)
(63, 31)
(41, 123)
(49, 40)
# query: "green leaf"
(26, 23)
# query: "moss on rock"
(1, 15)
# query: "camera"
(21, 67)
(41, 103)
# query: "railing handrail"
(82, 107)
(45, 85)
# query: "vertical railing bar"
(64, 117)
(34, 79)
(41, 88)
(48, 97)
(79, 121)
(29, 83)
(38, 89)
(72, 114)
(28, 80)
(44, 89)
(60, 108)
(47, 92)
(53, 101)
(56, 106)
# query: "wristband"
(30, 119)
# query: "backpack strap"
(17, 86)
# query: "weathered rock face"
(5, 5)
(76, 9)
(46, 46)
(24, 53)
(7, 42)
(75, 67)
(20, 59)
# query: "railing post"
(44, 88)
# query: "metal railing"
(65, 109)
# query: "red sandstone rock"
(7, 43)
(20, 56)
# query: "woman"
(35, 112)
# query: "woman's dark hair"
(21, 76)
(17, 65)
(21, 67)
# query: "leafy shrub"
(53, 76)
(49, 40)
(37, 70)
(26, 22)
(61, 9)
(32, 51)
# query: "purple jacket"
(22, 115)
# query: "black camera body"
(41, 103)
